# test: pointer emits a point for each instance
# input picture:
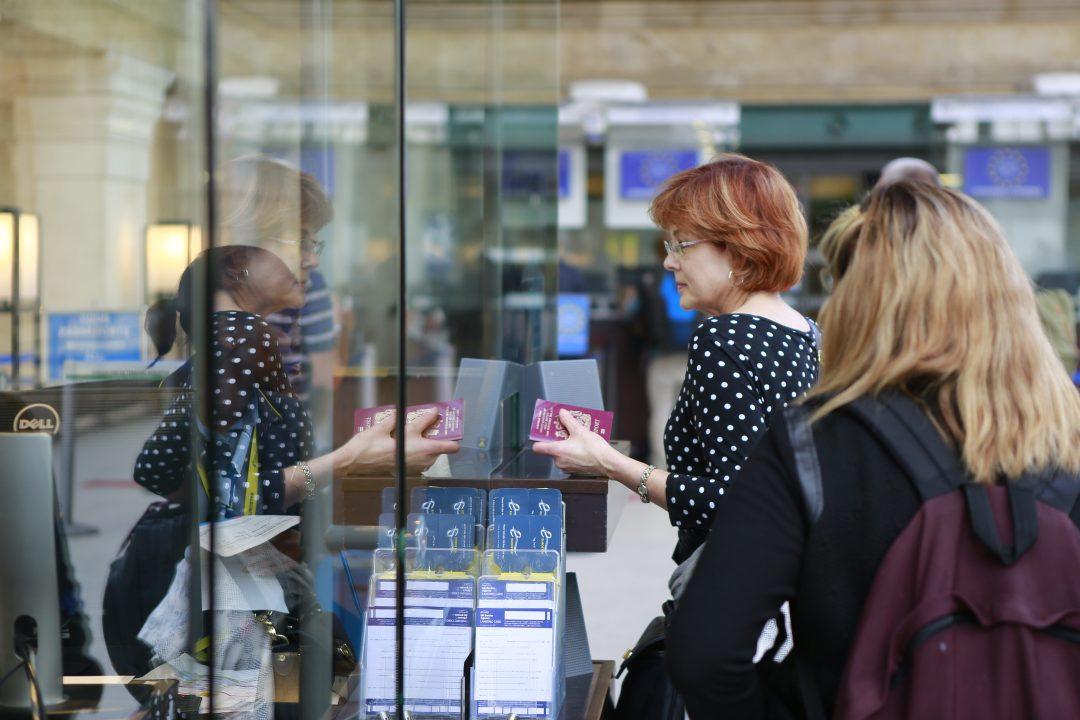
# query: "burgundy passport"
(546, 425)
(450, 425)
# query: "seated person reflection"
(254, 456)
(250, 393)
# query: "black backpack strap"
(913, 441)
(808, 471)
(1059, 489)
(1024, 519)
(807, 467)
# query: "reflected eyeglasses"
(308, 243)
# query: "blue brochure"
(388, 525)
(449, 501)
(445, 543)
(523, 501)
(389, 500)
(514, 536)
(545, 502)
(508, 502)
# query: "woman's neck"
(224, 302)
(773, 307)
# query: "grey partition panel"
(490, 389)
(575, 382)
(28, 584)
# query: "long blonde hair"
(934, 303)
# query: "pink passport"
(546, 425)
(450, 425)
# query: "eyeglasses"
(678, 248)
(308, 243)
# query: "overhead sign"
(1019, 173)
(93, 337)
(528, 173)
(722, 114)
(642, 172)
(956, 110)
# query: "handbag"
(647, 693)
(138, 579)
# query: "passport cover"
(546, 425)
(450, 425)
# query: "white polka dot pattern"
(741, 369)
(248, 386)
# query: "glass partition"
(204, 236)
(102, 171)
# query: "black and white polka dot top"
(741, 369)
(250, 400)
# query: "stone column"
(83, 129)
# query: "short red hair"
(746, 205)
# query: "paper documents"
(248, 581)
(234, 690)
(238, 534)
(515, 647)
(438, 638)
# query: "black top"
(250, 396)
(741, 369)
(761, 553)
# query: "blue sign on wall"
(642, 172)
(1018, 173)
(564, 174)
(92, 337)
(528, 173)
(574, 315)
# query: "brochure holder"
(520, 623)
(440, 602)
(503, 608)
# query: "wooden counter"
(593, 505)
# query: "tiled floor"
(623, 589)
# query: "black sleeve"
(749, 567)
(726, 418)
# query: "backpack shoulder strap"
(1058, 489)
(807, 467)
(913, 441)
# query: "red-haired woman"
(736, 240)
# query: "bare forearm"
(322, 470)
(628, 472)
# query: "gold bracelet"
(643, 485)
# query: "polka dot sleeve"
(162, 464)
(721, 418)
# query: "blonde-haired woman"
(929, 303)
